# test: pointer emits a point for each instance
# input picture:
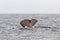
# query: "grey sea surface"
(47, 27)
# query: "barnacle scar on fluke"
(26, 23)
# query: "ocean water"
(47, 27)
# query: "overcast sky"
(29, 6)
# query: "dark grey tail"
(22, 25)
